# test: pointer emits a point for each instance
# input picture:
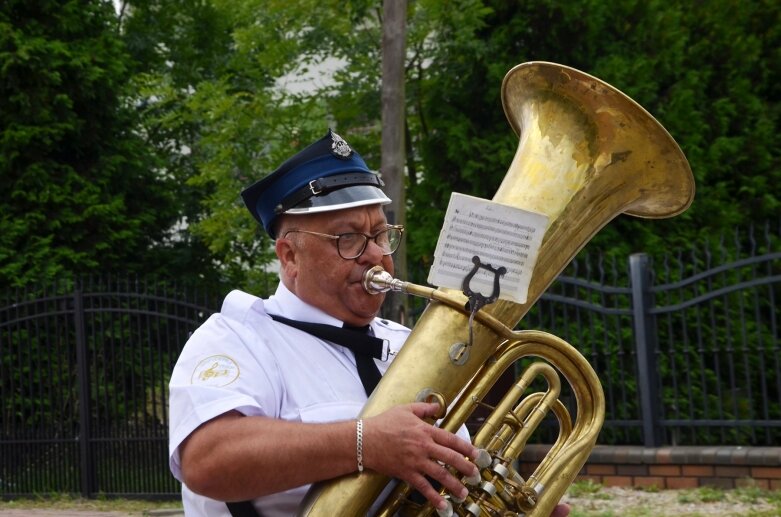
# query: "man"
(260, 406)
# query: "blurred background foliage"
(128, 129)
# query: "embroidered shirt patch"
(215, 370)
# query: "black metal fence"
(688, 353)
(85, 368)
(689, 350)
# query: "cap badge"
(339, 147)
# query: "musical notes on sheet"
(501, 235)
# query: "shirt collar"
(285, 303)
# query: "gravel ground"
(703, 502)
(84, 512)
(586, 501)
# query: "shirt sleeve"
(221, 369)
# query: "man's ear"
(286, 253)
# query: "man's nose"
(372, 254)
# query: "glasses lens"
(382, 240)
(392, 239)
(351, 245)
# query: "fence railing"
(687, 346)
(83, 398)
(687, 351)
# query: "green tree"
(79, 193)
(175, 45)
(707, 71)
(228, 121)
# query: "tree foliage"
(709, 77)
(229, 112)
(707, 71)
(127, 139)
(79, 191)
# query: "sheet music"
(501, 235)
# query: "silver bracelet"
(359, 443)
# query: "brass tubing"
(514, 444)
(547, 403)
(510, 399)
(382, 281)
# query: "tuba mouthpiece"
(376, 280)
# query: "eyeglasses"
(352, 245)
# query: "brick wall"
(675, 467)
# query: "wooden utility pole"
(394, 22)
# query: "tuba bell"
(587, 153)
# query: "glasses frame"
(367, 238)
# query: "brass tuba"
(587, 153)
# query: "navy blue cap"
(327, 175)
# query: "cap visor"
(348, 197)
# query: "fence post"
(646, 346)
(85, 452)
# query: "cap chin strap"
(325, 185)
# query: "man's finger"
(453, 442)
(421, 484)
(425, 409)
(454, 459)
(441, 474)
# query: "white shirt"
(240, 359)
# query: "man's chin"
(369, 312)
(368, 308)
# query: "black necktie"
(357, 339)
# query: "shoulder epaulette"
(237, 304)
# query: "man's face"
(314, 271)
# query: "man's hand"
(398, 443)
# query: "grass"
(100, 504)
(589, 499)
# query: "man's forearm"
(234, 458)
